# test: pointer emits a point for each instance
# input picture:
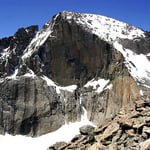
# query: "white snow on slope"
(65, 133)
(138, 65)
(141, 93)
(5, 54)
(99, 85)
(30, 73)
(14, 75)
(49, 82)
(106, 28)
(39, 39)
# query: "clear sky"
(22, 13)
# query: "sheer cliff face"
(77, 62)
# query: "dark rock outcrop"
(30, 107)
(13, 48)
(5, 42)
(86, 130)
(138, 45)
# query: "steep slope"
(76, 62)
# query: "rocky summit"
(78, 63)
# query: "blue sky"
(22, 13)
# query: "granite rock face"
(30, 107)
(52, 77)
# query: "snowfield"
(65, 133)
(136, 64)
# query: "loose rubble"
(127, 131)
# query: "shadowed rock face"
(4, 42)
(71, 55)
(14, 47)
(74, 56)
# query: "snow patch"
(14, 75)
(70, 88)
(106, 28)
(85, 119)
(65, 133)
(111, 30)
(30, 74)
(1, 80)
(141, 92)
(5, 54)
(39, 39)
(49, 82)
(110, 86)
(27, 30)
(136, 64)
(80, 101)
(147, 86)
(99, 85)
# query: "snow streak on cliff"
(112, 31)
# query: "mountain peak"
(106, 28)
(77, 65)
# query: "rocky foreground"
(127, 131)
